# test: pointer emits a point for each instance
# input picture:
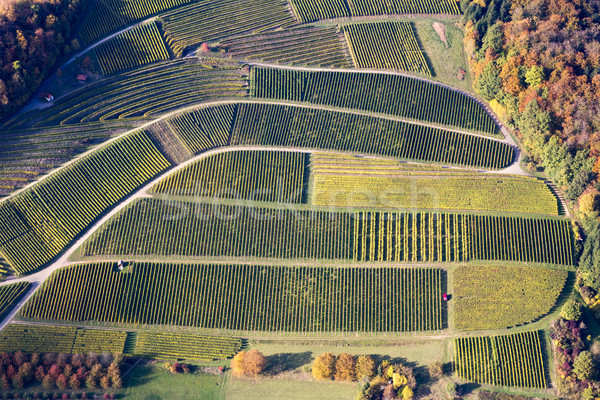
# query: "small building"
(81, 78)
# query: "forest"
(33, 34)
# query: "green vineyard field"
(139, 46)
(191, 229)
(169, 346)
(386, 45)
(60, 339)
(151, 227)
(10, 295)
(207, 21)
(107, 16)
(503, 297)
(508, 360)
(310, 46)
(250, 175)
(348, 181)
(395, 95)
(245, 298)
(40, 222)
(299, 127)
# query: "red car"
(445, 297)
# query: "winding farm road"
(39, 277)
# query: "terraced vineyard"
(386, 45)
(508, 360)
(10, 295)
(41, 221)
(60, 339)
(395, 95)
(138, 46)
(314, 10)
(162, 228)
(207, 21)
(283, 126)
(139, 94)
(348, 181)
(503, 297)
(300, 299)
(311, 46)
(168, 346)
(109, 15)
(250, 175)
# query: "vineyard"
(60, 339)
(133, 48)
(246, 298)
(162, 228)
(508, 360)
(139, 94)
(503, 297)
(250, 175)
(10, 295)
(166, 346)
(395, 95)
(314, 10)
(310, 46)
(347, 181)
(207, 21)
(284, 126)
(191, 229)
(40, 222)
(109, 15)
(386, 45)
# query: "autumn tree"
(323, 367)
(345, 367)
(365, 367)
(248, 363)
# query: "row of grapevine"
(311, 46)
(354, 182)
(109, 15)
(191, 229)
(396, 95)
(386, 45)
(30, 154)
(507, 360)
(185, 229)
(314, 10)
(503, 297)
(290, 126)
(423, 237)
(139, 94)
(60, 339)
(168, 346)
(141, 45)
(41, 221)
(250, 175)
(10, 295)
(207, 21)
(205, 128)
(246, 297)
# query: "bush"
(324, 367)
(452, 389)
(436, 370)
(345, 368)
(571, 311)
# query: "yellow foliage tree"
(345, 368)
(250, 363)
(237, 364)
(407, 393)
(365, 367)
(324, 367)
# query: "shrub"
(571, 311)
(365, 367)
(436, 370)
(324, 367)
(452, 389)
(345, 368)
